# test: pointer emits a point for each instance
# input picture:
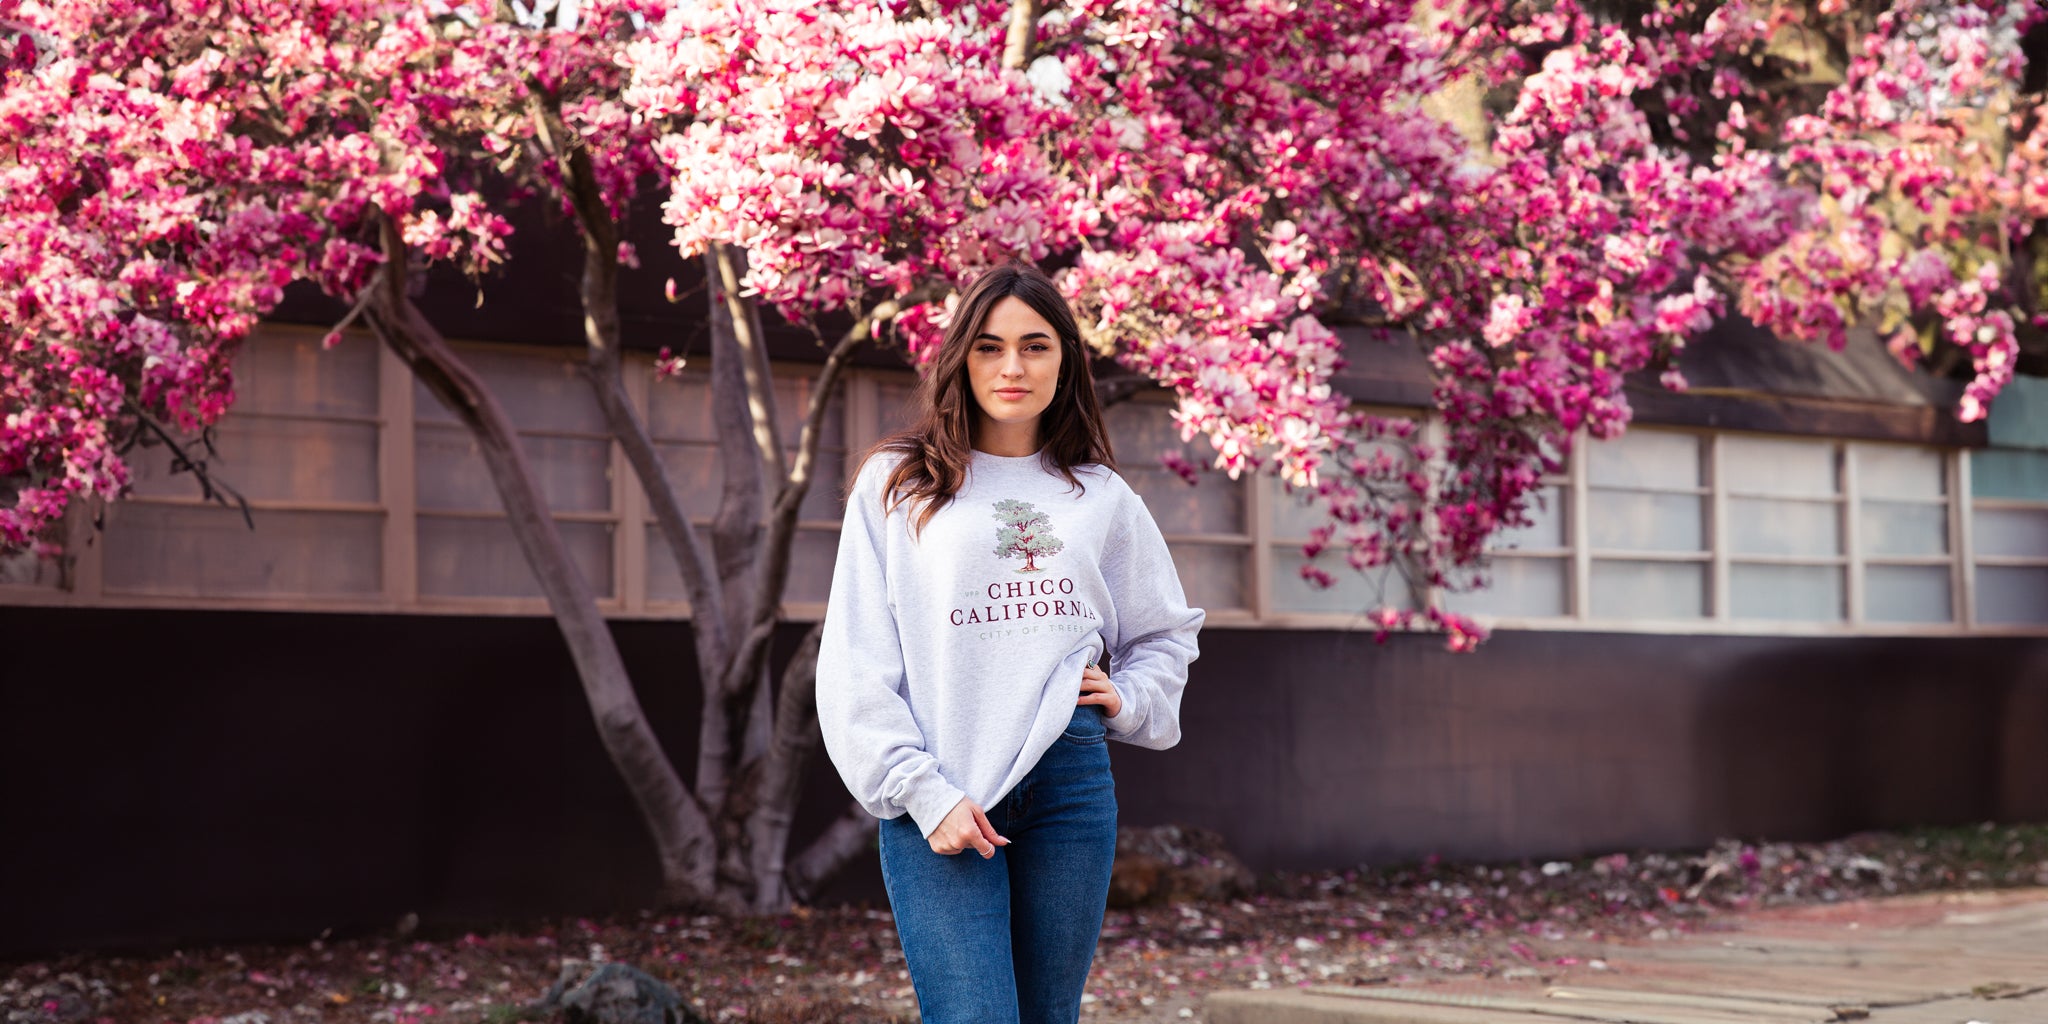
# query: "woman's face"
(1013, 364)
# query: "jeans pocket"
(1087, 726)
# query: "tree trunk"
(678, 824)
(754, 741)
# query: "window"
(1902, 533)
(1784, 520)
(683, 424)
(367, 495)
(466, 546)
(1291, 515)
(2009, 537)
(1646, 526)
(1734, 531)
(302, 445)
(1207, 526)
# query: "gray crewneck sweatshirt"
(952, 660)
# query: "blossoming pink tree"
(1224, 185)
(174, 165)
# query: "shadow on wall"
(1824, 738)
(1321, 749)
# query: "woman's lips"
(1012, 393)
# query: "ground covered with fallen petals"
(842, 965)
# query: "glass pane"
(1890, 528)
(2009, 473)
(1897, 471)
(696, 475)
(895, 404)
(211, 552)
(1546, 529)
(1907, 593)
(2010, 532)
(1214, 505)
(1521, 588)
(480, 558)
(1798, 593)
(792, 401)
(1353, 593)
(1762, 526)
(2012, 595)
(288, 372)
(27, 569)
(826, 500)
(1140, 431)
(540, 391)
(679, 408)
(1213, 575)
(1652, 459)
(1767, 465)
(574, 475)
(812, 554)
(1648, 590)
(1294, 513)
(286, 460)
(1642, 521)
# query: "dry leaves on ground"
(842, 965)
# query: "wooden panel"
(208, 550)
(285, 371)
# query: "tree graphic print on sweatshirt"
(1026, 533)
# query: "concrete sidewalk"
(1935, 959)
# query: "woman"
(990, 560)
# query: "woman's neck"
(1010, 440)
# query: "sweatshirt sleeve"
(867, 726)
(1154, 636)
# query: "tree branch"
(753, 352)
(604, 363)
(183, 462)
(1023, 26)
(789, 501)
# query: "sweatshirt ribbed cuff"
(930, 799)
(1129, 717)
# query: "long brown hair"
(938, 448)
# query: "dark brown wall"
(1321, 749)
(175, 776)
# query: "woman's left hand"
(1095, 689)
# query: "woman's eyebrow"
(986, 336)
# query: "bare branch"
(182, 461)
(604, 362)
(753, 351)
(1023, 26)
(789, 501)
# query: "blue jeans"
(1009, 939)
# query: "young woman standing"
(990, 562)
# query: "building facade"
(1798, 602)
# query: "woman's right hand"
(966, 826)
